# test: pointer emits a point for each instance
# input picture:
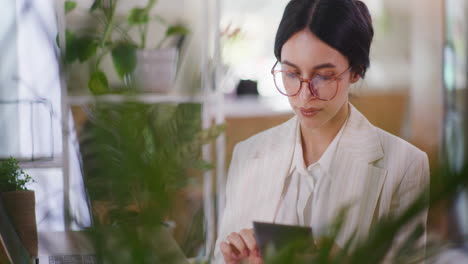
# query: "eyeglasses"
(322, 87)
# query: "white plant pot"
(156, 70)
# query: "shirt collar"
(325, 160)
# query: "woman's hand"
(241, 246)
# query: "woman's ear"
(354, 77)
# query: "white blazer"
(372, 171)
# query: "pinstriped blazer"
(372, 172)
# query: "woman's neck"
(316, 141)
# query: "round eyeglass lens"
(324, 87)
(287, 83)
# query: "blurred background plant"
(112, 35)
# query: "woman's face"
(307, 56)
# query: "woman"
(328, 156)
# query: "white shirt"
(303, 187)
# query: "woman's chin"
(310, 123)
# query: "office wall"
(8, 69)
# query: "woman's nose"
(305, 92)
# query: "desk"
(72, 246)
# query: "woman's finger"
(226, 249)
(229, 255)
(238, 243)
(249, 239)
(255, 260)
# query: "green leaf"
(71, 53)
(177, 30)
(138, 16)
(86, 47)
(96, 4)
(203, 165)
(81, 48)
(69, 6)
(206, 135)
(98, 83)
(125, 59)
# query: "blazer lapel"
(356, 182)
(274, 163)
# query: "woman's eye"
(325, 77)
(290, 75)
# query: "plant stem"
(143, 36)
(107, 33)
(160, 20)
(123, 32)
(140, 31)
(144, 30)
(109, 24)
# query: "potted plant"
(19, 202)
(149, 69)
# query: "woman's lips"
(309, 112)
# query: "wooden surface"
(20, 206)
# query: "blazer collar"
(360, 139)
(279, 141)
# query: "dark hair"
(345, 25)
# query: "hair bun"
(364, 10)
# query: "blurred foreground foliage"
(445, 184)
(135, 162)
